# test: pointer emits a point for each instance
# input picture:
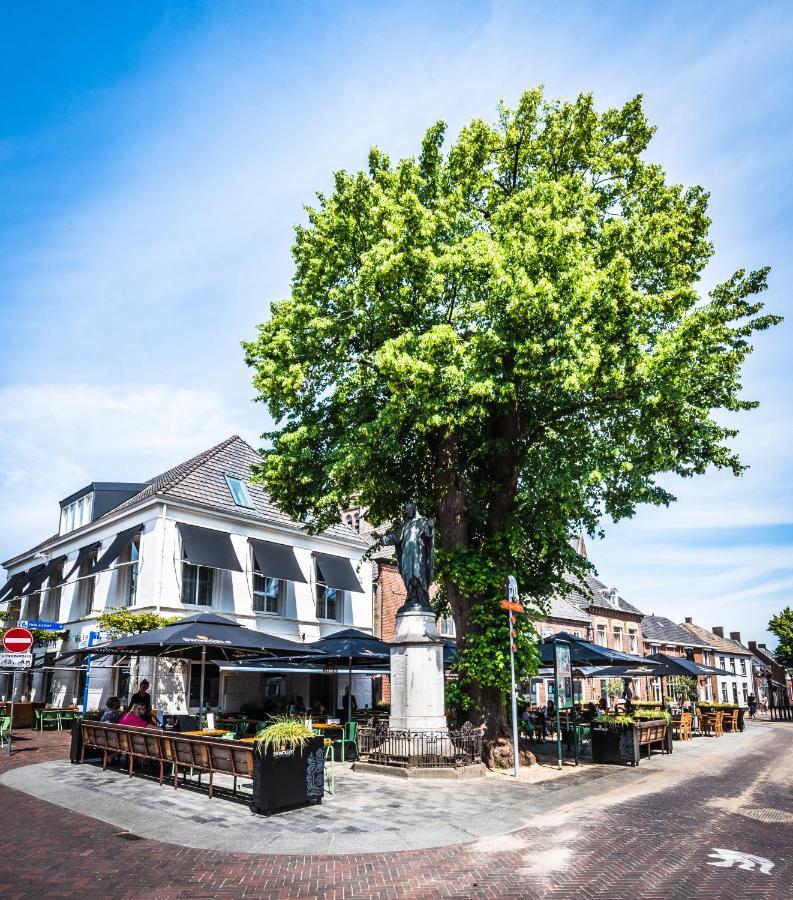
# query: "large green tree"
(782, 626)
(509, 332)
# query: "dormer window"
(239, 491)
(76, 514)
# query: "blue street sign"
(43, 626)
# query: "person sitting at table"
(143, 696)
(318, 709)
(136, 716)
(300, 704)
(113, 712)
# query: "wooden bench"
(183, 752)
(650, 733)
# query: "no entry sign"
(17, 640)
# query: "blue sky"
(154, 158)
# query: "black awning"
(337, 572)
(39, 576)
(207, 547)
(118, 545)
(27, 583)
(11, 588)
(276, 560)
(82, 553)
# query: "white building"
(730, 656)
(198, 537)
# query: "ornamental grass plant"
(285, 733)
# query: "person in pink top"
(135, 716)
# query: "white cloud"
(57, 438)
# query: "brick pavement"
(655, 845)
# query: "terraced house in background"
(197, 537)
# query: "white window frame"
(617, 637)
(446, 626)
(633, 640)
(264, 597)
(724, 692)
(211, 585)
(321, 597)
(601, 630)
(743, 666)
(128, 570)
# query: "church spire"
(581, 544)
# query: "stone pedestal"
(417, 699)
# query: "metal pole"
(11, 726)
(515, 748)
(201, 689)
(91, 636)
(558, 719)
(512, 593)
(349, 693)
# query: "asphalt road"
(691, 825)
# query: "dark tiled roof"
(597, 596)
(660, 630)
(713, 640)
(201, 480)
(562, 608)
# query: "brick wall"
(391, 595)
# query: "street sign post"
(562, 674)
(512, 605)
(17, 640)
(17, 643)
(16, 660)
(41, 626)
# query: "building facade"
(731, 656)
(198, 537)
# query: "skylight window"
(239, 491)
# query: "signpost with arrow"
(513, 605)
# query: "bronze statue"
(414, 541)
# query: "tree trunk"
(489, 710)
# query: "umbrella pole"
(201, 688)
(349, 693)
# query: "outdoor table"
(238, 726)
(326, 728)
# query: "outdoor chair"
(5, 727)
(47, 717)
(148, 747)
(330, 776)
(734, 722)
(230, 760)
(189, 754)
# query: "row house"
(772, 683)
(198, 537)
(662, 635)
(729, 655)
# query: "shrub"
(284, 734)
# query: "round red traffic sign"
(17, 640)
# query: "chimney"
(753, 646)
(762, 646)
(718, 631)
(689, 620)
(735, 636)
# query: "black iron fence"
(420, 749)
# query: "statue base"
(417, 695)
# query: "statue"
(414, 541)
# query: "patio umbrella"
(353, 647)
(203, 637)
(586, 653)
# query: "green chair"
(351, 735)
(5, 727)
(330, 775)
(48, 717)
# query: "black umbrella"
(586, 653)
(681, 665)
(204, 636)
(353, 647)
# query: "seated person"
(113, 712)
(135, 716)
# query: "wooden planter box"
(288, 778)
(624, 745)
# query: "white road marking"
(745, 861)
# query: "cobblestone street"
(654, 833)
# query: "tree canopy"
(121, 622)
(508, 332)
(782, 626)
